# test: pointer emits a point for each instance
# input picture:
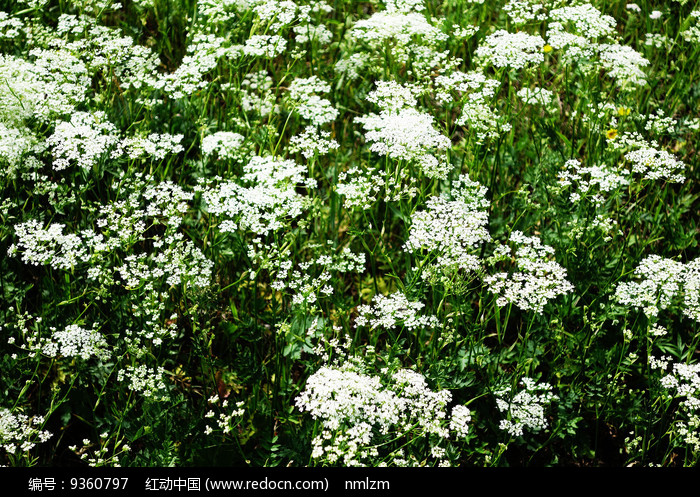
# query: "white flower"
(526, 409)
(19, 432)
(459, 424)
(149, 382)
(82, 141)
(624, 64)
(356, 409)
(407, 135)
(536, 96)
(224, 143)
(267, 203)
(452, 229)
(312, 142)
(265, 46)
(303, 94)
(665, 280)
(400, 29)
(393, 311)
(656, 164)
(537, 281)
(513, 50)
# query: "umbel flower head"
(512, 50)
(451, 229)
(409, 135)
(664, 281)
(537, 279)
(359, 413)
(525, 409)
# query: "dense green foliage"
(258, 232)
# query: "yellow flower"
(611, 134)
(547, 48)
(623, 111)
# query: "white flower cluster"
(225, 143)
(312, 142)
(145, 381)
(512, 50)
(690, 431)
(256, 94)
(15, 145)
(664, 280)
(459, 424)
(121, 223)
(109, 252)
(361, 187)
(392, 312)
(397, 28)
(404, 6)
(587, 182)
(265, 205)
(573, 48)
(316, 33)
(268, 46)
(357, 411)
(657, 40)
(474, 91)
(276, 14)
(225, 421)
(392, 96)
(154, 146)
(409, 135)
(107, 52)
(72, 341)
(525, 409)
(684, 382)
(658, 122)
(82, 141)
(303, 95)
(586, 21)
(524, 11)
(49, 246)
(656, 164)
(361, 191)
(403, 35)
(19, 433)
(51, 86)
(481, 118)
(219, 11)
(624, 64)
(575, 30)
(351, 65)
(537, 280)
(692, 33)
(305, 283)
(10, 27)
(87, 138)
(177, 261)
(645, 156)
(538, 96)
(203, 55)
(452, 229)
